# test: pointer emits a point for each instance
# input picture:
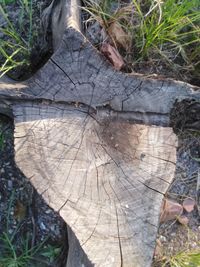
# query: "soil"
(23, 209)
(23, 213)
(172, 236)
(155, 65)
(41, 44)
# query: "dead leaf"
(19, 211)
(113, 55)
(170, 210)
(183, 220)
(117, 33)
(188, 204)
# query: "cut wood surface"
(96, 144)
(106, 178)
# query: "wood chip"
(170, 210)
(113, 55)
(189, 204)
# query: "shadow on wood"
(96, 144)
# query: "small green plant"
(168, 25)
(16, 38)
(167, 31)
(11, 255)
(17, 248)
(17, 252)
(50, 252)
(184, 256)
(183, 259)
(5, 2)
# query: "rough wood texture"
(97, 145)
(106, 178)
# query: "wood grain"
(96, 144)
(105, 177)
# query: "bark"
(96, 144)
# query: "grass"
(169, 25)
(158, 30)
(16, 38)
(13, 254)
(17, 252)
(22, 244)
(17, 249)
(183, 259)
(6, 2)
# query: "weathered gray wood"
(106, 178)
(77, 73)
(96, 145)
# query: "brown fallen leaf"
(183, 220)
(189, 204)
(19, 211)
(170, 210)
(119, 36)
(113, 55)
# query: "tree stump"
(96, 144)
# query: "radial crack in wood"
(105, 177)
(78, 73)
(93, 143)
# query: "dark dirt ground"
(41, 40)
(23, 213)
(153, 66)
(21, 206)
(172, 236)
(23, 209)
